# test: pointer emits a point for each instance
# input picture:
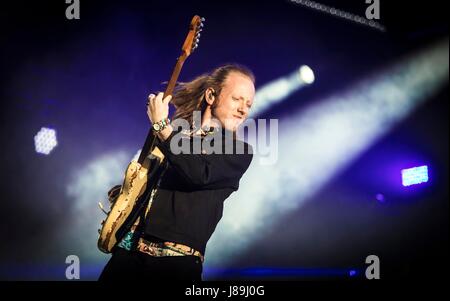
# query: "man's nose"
(243, 109)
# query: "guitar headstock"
(193, 36)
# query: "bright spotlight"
(306, 74)
(415, 175)
(45, 141)
(318, 142)
(281, 88)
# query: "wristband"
(160, 125)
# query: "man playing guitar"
(188, 201)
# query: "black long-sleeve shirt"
(189, 201)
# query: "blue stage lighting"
(380, 197)
(415, 175)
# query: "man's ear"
(210, 95)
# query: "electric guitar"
(127, 200)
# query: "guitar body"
(133, 186)
(138, 173)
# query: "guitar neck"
(151, 137)
(189, 45)
(174, 78)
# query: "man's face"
(234, 101)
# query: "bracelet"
(161, 125)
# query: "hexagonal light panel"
(45, 141)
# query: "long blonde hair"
(189, 97)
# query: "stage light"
(415, 175)
(45, 141)
(279, 89)
(317, 142)
(306, 74)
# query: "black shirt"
(189, 201)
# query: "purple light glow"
(415, 175)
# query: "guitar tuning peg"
(198, 35)
(197, 41)
(201, 25)
(203, 19)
